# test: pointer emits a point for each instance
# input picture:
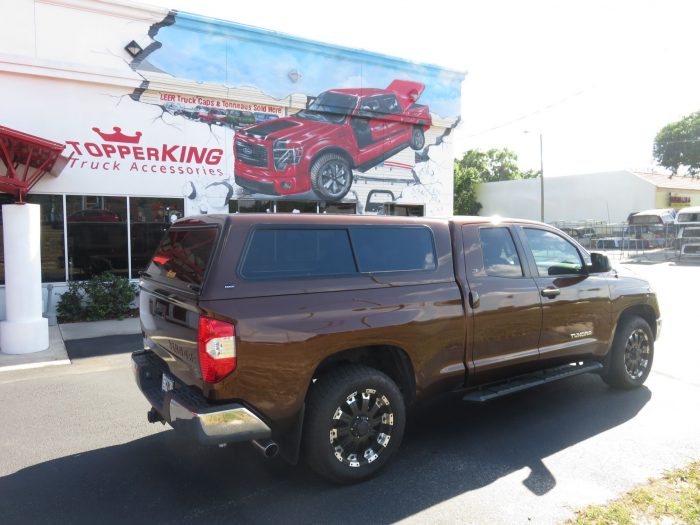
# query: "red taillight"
(216, 343)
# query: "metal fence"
(622, 241)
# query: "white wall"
(72, 33)
(607, 197)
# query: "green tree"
(476, 167)
(677, 145)
(466, 180)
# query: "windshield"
(329, 107)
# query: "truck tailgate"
(169, 296)
(169, 324)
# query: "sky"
(597, 79)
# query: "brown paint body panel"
(286, 328)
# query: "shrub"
(70, 306)
(104, 296)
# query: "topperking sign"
(120, 151)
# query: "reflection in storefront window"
(349, 208)
(52, 260)
(97, 236)
(150, 218)
(4, 199)
(284, 206)
(296, 207)
(250, 206)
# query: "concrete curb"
(71, 331)
(55, 355)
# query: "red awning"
(24, 159)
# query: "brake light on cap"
(216, 343)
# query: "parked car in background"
(94, 215)
(688, 238)
(212, 116)
(236, 118)
(652, 228)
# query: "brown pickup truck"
(312, 334)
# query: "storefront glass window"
(150, 218)
(97, 236)
(52, 260)
(250, 206)
(4, 199)
(348, 208)
(53, 268)
(296, 207)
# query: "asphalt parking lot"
(75, 447)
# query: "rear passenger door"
(576, 310)
(504, 303)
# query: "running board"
(541, 377)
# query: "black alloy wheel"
(637, 354)
(361, 428)
(355, 421)
(631, 354)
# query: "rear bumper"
(189, 412)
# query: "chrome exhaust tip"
(266, 447)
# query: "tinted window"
(150, 218)
(553, 254)
(183, 254)
(500, 256)
(689, 217)
(298, 253)
(296, 206)
(338, 207)
(393, 249)
(329, 107)
(97, 236)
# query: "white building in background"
(608, 197)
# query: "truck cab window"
(499, 253)
(553, 254)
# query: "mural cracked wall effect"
(368, 133)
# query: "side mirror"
(599, 263)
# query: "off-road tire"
(331, 177)
(345, 444)
(631, 354)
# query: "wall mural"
(369, 131)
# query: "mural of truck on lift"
(340, 130)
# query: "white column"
(24, 330)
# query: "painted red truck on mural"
(341, 130)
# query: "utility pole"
(541, 181)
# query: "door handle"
(474, 299)
(550, 292)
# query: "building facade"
(606, 197)
(166, 114)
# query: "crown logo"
(118, 136)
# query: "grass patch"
(674, 498)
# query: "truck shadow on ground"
(450, 448)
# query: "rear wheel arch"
(391, 360)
